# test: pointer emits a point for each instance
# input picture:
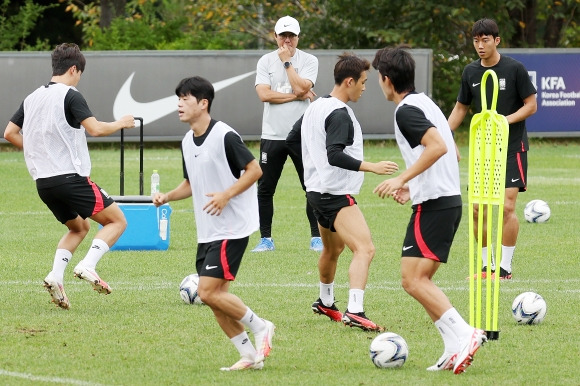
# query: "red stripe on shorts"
(99, 206)
(224, 260)
(425, 251)
(350, 200)
(520, 167)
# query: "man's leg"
(511, 227)
(232, 314)
(114, 224)
(352, 228)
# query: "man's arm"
(457, 115)
(101, 129)
(182, 191)
(12, 134)
(455, 118)
(435, 148)
(266, 94)
(528, 109)
(219, 200)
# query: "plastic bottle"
(154, 183)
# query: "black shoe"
(332, 312)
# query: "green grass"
(143, 334)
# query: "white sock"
(356, 300)
(97, 250)
(327, 293)
(457, 324)
(450, 340)
(244, 345)
(507, 254)
(253, 322)
(61, 259)
(484, 252)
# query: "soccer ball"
(529, 308)
(537, 211)
(388, 350)
(188, 289)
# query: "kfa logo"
(553, 83)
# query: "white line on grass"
(39, 378)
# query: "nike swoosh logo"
(407, 248)
(154, 110)
(514, 180)
(208, 267)
(475, 84)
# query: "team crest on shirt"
(502, 83)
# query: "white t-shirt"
(319, 175)
(208, 171)
(278, 119)
(442, 178)
(51, 146)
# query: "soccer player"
(516, 101)
(431, 181)
(284, 82)
(332, 152)
(220, 173)
(50, 127)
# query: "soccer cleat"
(92, 277)
(264, 341)
(446, 362)
(265, 244)
(56, 291)
(332, 312)
(316, 244)
(465, 355)
(244, 364)
(483, 274)
(361, 321)
(503, 274)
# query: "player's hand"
(284, 53)
(127, 121)
(385, 167)
(160, 199)
(389, 187)
(216, 204)
(309, 95)
(402, 195)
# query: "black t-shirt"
(413, 123)
(514, 86)
(237, 153)
(76, 109)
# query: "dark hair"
(349, 66)
(397, 64)
(484, 27)
(198, 87)
(65, 56)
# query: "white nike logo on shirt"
(407, 248)
(154, 110)
(208, 267)
(475, 84)
(515, 179)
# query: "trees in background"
(326, 24)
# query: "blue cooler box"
(148, 227)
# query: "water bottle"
(154, 183)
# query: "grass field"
(143, 334)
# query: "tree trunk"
(110, 9)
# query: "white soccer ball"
(188, 289)
(529, 308)
(388, 350)
(537, 211)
